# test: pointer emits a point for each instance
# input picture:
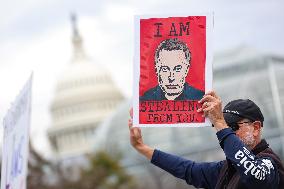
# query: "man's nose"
(171, 77)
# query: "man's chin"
(248, 141)
(173, 93)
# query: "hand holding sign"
(136, 139)
(212, 108)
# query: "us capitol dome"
(85, 95)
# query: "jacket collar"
(260, 147)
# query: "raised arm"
(136, 139)
(255, 171)
(200, 175)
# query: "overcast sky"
(36, 36)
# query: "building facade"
(85, 96)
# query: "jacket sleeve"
(255, 172)
(200, 175)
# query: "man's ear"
(257, 128)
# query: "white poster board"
(16, 125)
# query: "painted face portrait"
(172, 63)
(172, 68)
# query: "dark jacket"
(257, 169)
(188, 93)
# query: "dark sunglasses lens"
(234, 126)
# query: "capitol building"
(85, 96)
(89, 113)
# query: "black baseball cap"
(239, 109)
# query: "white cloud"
(118, 12)
(11, 11)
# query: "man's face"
(246, 132)
(172, 68)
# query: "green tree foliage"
(103, 172)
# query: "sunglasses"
(236, 125)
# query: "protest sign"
(172, 69)
(16, 141)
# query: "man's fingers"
(212, 93)
(205, 106)
(131, 112)
(206, 98)
(206, 111)
(136, 132)
(130, 123)
(139, 130)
